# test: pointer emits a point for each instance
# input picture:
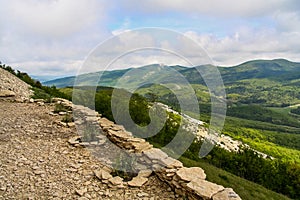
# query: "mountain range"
(267, 82)
(278, 70)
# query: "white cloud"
(53, 18)
(288, 22)
(53, 68)
(213, 7)
(246, 44)
(50, 36)
(54, 36)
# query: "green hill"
(272, 130)
(258, 95)
(266, 82)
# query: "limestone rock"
(41, 165)
(192, 173)
(155, 154)
(105, 122)
(40, 103)
(83, 198)
(7, 93)
(141, 146)
(74, 140)
(62, 113)
(171, 163)
(145, 173)
(102, 174)
(91, 119)
(137, 181)
(81, 191)
(71, 124)
(226, 194)
(204, 188)
(12, 86)
(116, 180)
(119, 134)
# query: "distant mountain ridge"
(278, 70)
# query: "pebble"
(42, 165)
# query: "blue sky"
(53, 37)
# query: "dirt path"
(37, 162)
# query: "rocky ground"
(12, 86)
(38, 163)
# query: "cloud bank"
(53, 37)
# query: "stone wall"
(188, 182)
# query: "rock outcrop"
(12, 86)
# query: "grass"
(260, 125)
(247, 190)
(284, 111)
(283, 153)
(261, 135)
(67, 91)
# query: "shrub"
(59, 108)
(67, 118)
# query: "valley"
(260, 97)
(262, 102)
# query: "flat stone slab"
(81, 191)
(91, 119)
(204, 189)
(192, 173)
(105, 122)
(171, 163)
(143, 146)
(116, 180)
(117, 127)
(155, 154)
(137, 181)
(138, 140)
(227, 194)
(145, 173)
(7, 93)
(119, 134)
(74, 140)
(103, 174)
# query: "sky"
(53, 38)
